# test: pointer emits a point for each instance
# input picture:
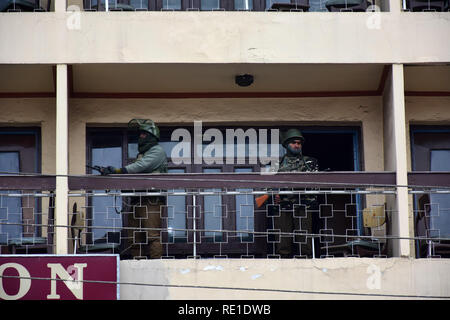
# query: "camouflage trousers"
(297, 222)
(143, 228)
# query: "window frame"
(419, 201)
(24, 163)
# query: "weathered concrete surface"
(339, 278)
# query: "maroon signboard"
(59, 277)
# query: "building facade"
(368, 86)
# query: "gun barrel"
(98, 168)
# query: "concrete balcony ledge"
(334, 278)
(224, 37)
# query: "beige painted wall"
(393, 278)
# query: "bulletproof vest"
(299, 164)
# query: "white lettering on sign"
(74, 284)
(72, 278)
(24, 281)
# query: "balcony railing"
(227, 5)
(426, 5)
(234, 5)
(319, 215)
(25, 5)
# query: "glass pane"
(133, 150)
(244, 211)
(440, 160)
(106, 210)
(210, 4)
(212, 152)
(238, 146)
(176, 206)
(239, 153)
(171, 4)
(111, 3)
(243, 4)
(139, 4)
(317, 5)
(212, 210)
(440, 203)
(270, 2)
(183, 146)
(10, 208)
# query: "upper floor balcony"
(226, 5)
(225, 215)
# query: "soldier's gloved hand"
(107, 170)
(111, 170)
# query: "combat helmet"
(290, 135)
(146, 125)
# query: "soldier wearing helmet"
(144, 211)
(294, 160)
(151, 157)
(288, 221)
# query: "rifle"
(98, 168)
(261, 200)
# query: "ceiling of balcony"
(26, 79)
(92, 80)
(221, 78)
(427, 78)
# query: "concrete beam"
(224, 37)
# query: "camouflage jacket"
(154, 160)
(298, 164)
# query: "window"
(243, 5)
(176, 214)
(210, 4)
(430, 146)
(206, 5)
(19, 153)
(10, 208)
(440, 208)
(105, 150)
(139, 4)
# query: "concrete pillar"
(402, 163)
(62, 186)
(60, 5)
(395, 157)
(395, 5)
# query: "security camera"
(244, 80)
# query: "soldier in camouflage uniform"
(288, 221)
(144, 211)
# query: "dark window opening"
(430, 149)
